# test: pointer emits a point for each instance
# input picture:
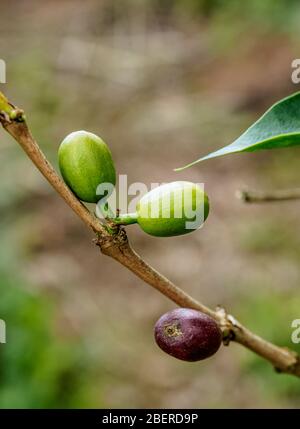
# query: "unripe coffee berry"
(188, 334)
(85, 162)
(172, 209)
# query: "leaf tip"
(185, 166)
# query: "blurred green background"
(163, 82)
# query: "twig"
(116, 245)
(271, 196)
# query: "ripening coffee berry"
(172, 209)
(188, 334)
(85, 162)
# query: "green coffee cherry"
(85, 162)
(172, 209)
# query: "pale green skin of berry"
(172, 214)
(85, 162)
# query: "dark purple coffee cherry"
(188, 334)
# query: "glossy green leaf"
(278, 127)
